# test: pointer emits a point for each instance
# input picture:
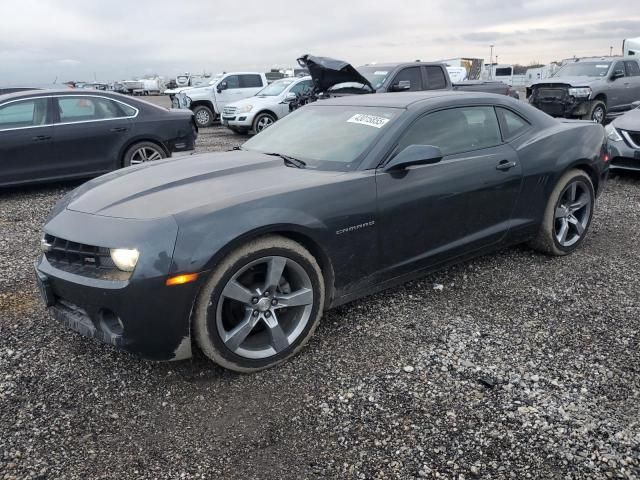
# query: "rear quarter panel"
(545, 156)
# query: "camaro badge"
(355, 227)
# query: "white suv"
(207, 102)
(266, 107)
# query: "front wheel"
(263, 121)
(568, 215)
(597, 112)
(260, 305)
(203, 115)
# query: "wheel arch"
(202, 103)
(601, 97)
(585, 166)
(270, 112)
(292, 232)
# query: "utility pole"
(611, 51)
(491, 62)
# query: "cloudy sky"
(41, 40)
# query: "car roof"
(391, 65)
(402, 99)
(56, 92)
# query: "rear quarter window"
(511, 124)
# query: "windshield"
(325, 137)
(375, 75)
(584, 69)
(275, 88)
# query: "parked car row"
(50, 135)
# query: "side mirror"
(617, 74)
(222, 86)
(414, 155)
(401, 86)
(290, 97)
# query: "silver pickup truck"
(589, 88)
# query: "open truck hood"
(327, 72)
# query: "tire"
(204, 116)
(143, 152)
(273, 333)
(597, 112)
(559, 210)
(263, 121)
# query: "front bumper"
(566, 107)
(239, 120)
(140, 314)
(624, 157)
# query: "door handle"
(41, 138)
(118, 129)
(505, 165)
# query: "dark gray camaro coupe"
(240, 252)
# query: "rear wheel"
(568, 215)
(142, 152)
(260, 305)
(204, 116)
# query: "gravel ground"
(510, 366)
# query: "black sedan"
(240, 252)
(48, 135)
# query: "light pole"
(611, 51)
(491, 62)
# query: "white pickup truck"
(208, 101)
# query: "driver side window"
(455, 130)
(303, 87)
(232, 81)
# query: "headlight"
(187, 101)
(245, 109)
(580, 92)
(612, 133)
(125, 258)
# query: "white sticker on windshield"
(371, 120)
(380, 73)
(602, 66)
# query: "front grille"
(551, 92)
(229, 110)
(81, 259)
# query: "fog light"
(125, 258)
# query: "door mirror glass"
(617, 74)
(414, 155)
(401, 86)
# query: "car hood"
(257, 101)
(327, 72)
(169, 187)
(573, 81)
(629, 121)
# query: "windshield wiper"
(289, 160)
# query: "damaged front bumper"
(136, 312)
(563, 105)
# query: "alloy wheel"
(264, 307)
(573, 213)
(203, 117)
(598, 114)
(145, 154)
(264, 122)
